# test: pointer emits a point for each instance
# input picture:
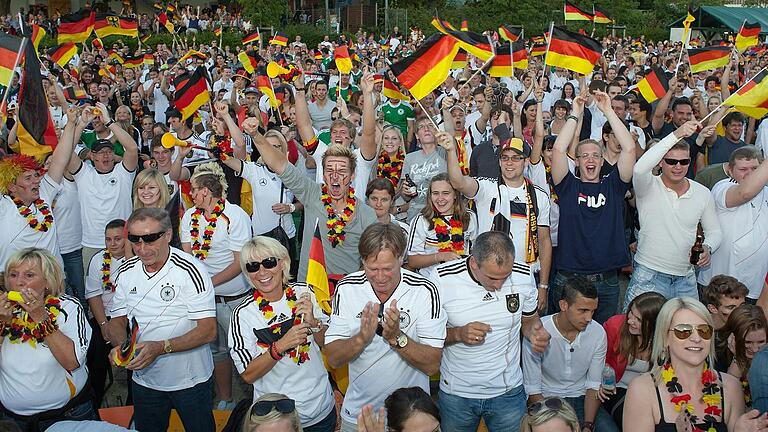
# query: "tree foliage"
(265, 13)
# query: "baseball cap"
(102, 143)
(519, 146)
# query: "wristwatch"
(401, 341)
(167, 346)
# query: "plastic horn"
(170, 141)
(274, 70)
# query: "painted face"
(27, 186)
(337, 176)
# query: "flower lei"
(449, 240)
(336, 223)
(200, 250)
(711, 396)
(32, 221)
(299, 354)
(391, 168)
(23, 329)
(747, 391)
(106, 266)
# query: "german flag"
(167, 23)
(192, 53)
(501, 64)
(573, 51)
(427, 68)
(38, 33)
(217, 31)
(133, 62)
(248, 60)
(97, 43)
(279, 39)
(252, 38)
(600, 17)
(73, 95)
(475, 44)
(158, 6)
(464, 25)
(538, 49)
(318, 55)
(114, 55)
(36, 134)
(108, 72)
(108, 24)
(460, 61)
(61, 54)
(385, 45)
(9, 50)
(145, 37)
(149, 59)
(391, 91)
(752, 97)
(342, 59)
(539, 39)
(574, 13)
(708, 58)
(171, 8)
(76, 27)
(192, 94)
(519, 55)
(654, 86)
(265, 86)
(317, 276)
(748, 36)
(510, 33)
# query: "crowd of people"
(474, 241)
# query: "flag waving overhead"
(38, 33)
(600, 17)
(573, 51)
(9, 50)
(427, 68)
(708, 58)
(61, 54)
(192, 93)
(752, 97)
(342, 59)
(279, 38)
(76, 27)
(36, 134)
(460, 61)
(265, 86)
(248, 60)
(749, 36)
(110, 24)
(501, 64)
(166, 22)
(510, 33)
(252, 38)
(391, 91)
(519, 55)
(654, 86)
(574, 13)
(689, 19)
(475, 44)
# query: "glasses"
(146, 238)
(283, 406)
(673, 162)
(684, 331)
(511, 158)
(268, 263)
(590, 156)
(552, 403)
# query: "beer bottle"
(698, 246)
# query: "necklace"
(22, 329)
(200, 249)
(336, 223)
(32, 220)
(391, 168)
(299, 354)
(449, 239)
(711, 396)
(747, 391)
(106, 266)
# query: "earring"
(662, 358)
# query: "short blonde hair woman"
(550, 415)
(275, 410)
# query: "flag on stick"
(708, 58)
(425, 69)
(572, 51)
(749, 36)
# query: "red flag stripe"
(574, 49)
(706, 54)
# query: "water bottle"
(609, 378)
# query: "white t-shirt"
(423, 241)
(94, 286)
(743, 251)
(362, 170)
(265, 188)
(17, 234)
(306, 383)
(512, 203)
(464, 301)
(167, 304)
(379, 370)
(31, 379)
(233, 230)
(66, 211)
(103, 197)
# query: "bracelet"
(589, 425)
(110, 123)
(572, 117)
(47, 328)
(101, 324)
(274, 353)
(292, 207)
(544, 286)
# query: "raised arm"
(303, 120)
(273, 158)
(538, 134)
(465, 184)
(564, 138)
(63, 152)
(222, 111)
(627, 156)
(657, 122)
(367, 142)
(485, 110)
(131, 156)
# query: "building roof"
(725, 18)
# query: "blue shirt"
(591, 233)
(720, 152)
(758, 380)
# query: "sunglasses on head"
(254, 266)
(146, 238)
(283, 406)
(684, 331)
(552, 403)
(673, 162)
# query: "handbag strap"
(282, 188)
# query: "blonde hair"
(145, 178)
(278, 136)
(266, 247)
(660, 352)
(338, 150)
(566, 413)
(52, 272)
(252, 422)
(210, 176)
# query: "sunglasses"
(268, 263)
(684, 331)
(146, 238)
(283, 406)
(552, 403)
(673, 162)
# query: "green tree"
(265, 12)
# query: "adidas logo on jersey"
(488, 297)
(132, 291)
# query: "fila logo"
(592, 201)
(132, 291)
(282, 317)
(488, 297)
